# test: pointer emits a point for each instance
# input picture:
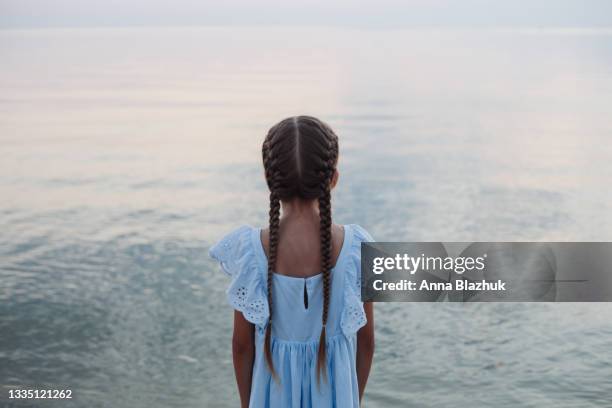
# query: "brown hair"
(299, 157)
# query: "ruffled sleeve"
(246, 293)
(353, 315)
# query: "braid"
(273, 228)
(274, 220)
(326, 246)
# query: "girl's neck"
(300, 210)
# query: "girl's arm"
(243, 350)
(365, 348)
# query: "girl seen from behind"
(302, 337)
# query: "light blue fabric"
(296, 329)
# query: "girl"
(302, 337)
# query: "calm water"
(127, 152)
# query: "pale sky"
(366, 13)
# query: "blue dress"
(296, 328)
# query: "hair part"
(299, 157)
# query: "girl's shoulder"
(359, 233)
(235, 250)
(354, 235)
